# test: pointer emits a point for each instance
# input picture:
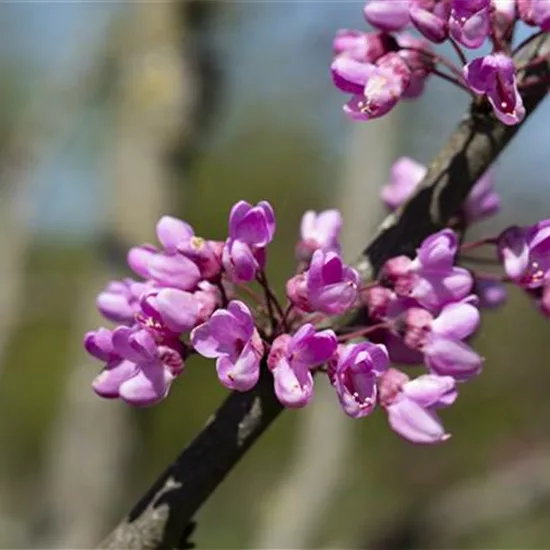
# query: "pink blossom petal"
(149, 386)
(108, 381)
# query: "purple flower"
(209, 299)
(534, 13)
(483, 201)
(503, 15)
(297, 293)
(541, 14)
(406, 174)
(383, 85)
(411, 404)
(290, 361)
(387, 15)
(253, 225)
(430, 18)
(319, 231)
(119, 301)
(365, 47)
(332, 286)
(420, 64)
(492, 294)
(138, 370)
(433, 279)
(172, 231)
(469, 22)
(230, 337)
(240, 261)
(444, 352)
(525, 253)
(353, 372)
(169, 311)
(165, 268)
(495, 76)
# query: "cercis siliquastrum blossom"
(383, 66)
(195, 298)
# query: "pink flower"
(253, 225)
(444, 352)
(525, 253)
(406, 174)
(169, 311)
(332, 287)
(411, 404)
(420, 64)
(382, 85)
(365, 47)
(431, 278)
(240, 261)
(503, 15)
(387, 15)
(353, 372)
(319, 231)
(290, 361)
(430, 18)
(230, 336)
(171, 232)
(492, 294)
(469, 22)
(297, 293)
(495, 76)
(165, 268)
(138, 370)
(535, 13)
(119, 301)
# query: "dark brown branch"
(162, 515)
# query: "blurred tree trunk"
(154, 99)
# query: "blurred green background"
(112, 114)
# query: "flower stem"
(458, 51)
(476, 244)
(361, 332)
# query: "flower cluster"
(379, 68)
(199, 296)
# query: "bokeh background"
(112, 114)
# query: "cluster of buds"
(213, 298)
(381, 67)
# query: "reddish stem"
(476, 244)
(361, 332)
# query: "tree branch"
(160, 518)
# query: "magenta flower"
(138, 370)
(172, 231)
(319, 231)
(419, 64)
(444, 352)
(411, 404)
(230, 337)
(430, 18)
(240, 261)
(165, 268)
(291, 359)
(383, 85)
(169, 311)
(406, 174)
(492, 294)
(353, 372)
(253, 225)
(332, 287)
(297, 293)
(119, 301)
(469, 22)
(503, 14)
(387, 15)
(365, 47)
(535, 13)
(209, 298)
(525, 253)
(495, 76)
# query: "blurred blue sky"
(274, 54)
